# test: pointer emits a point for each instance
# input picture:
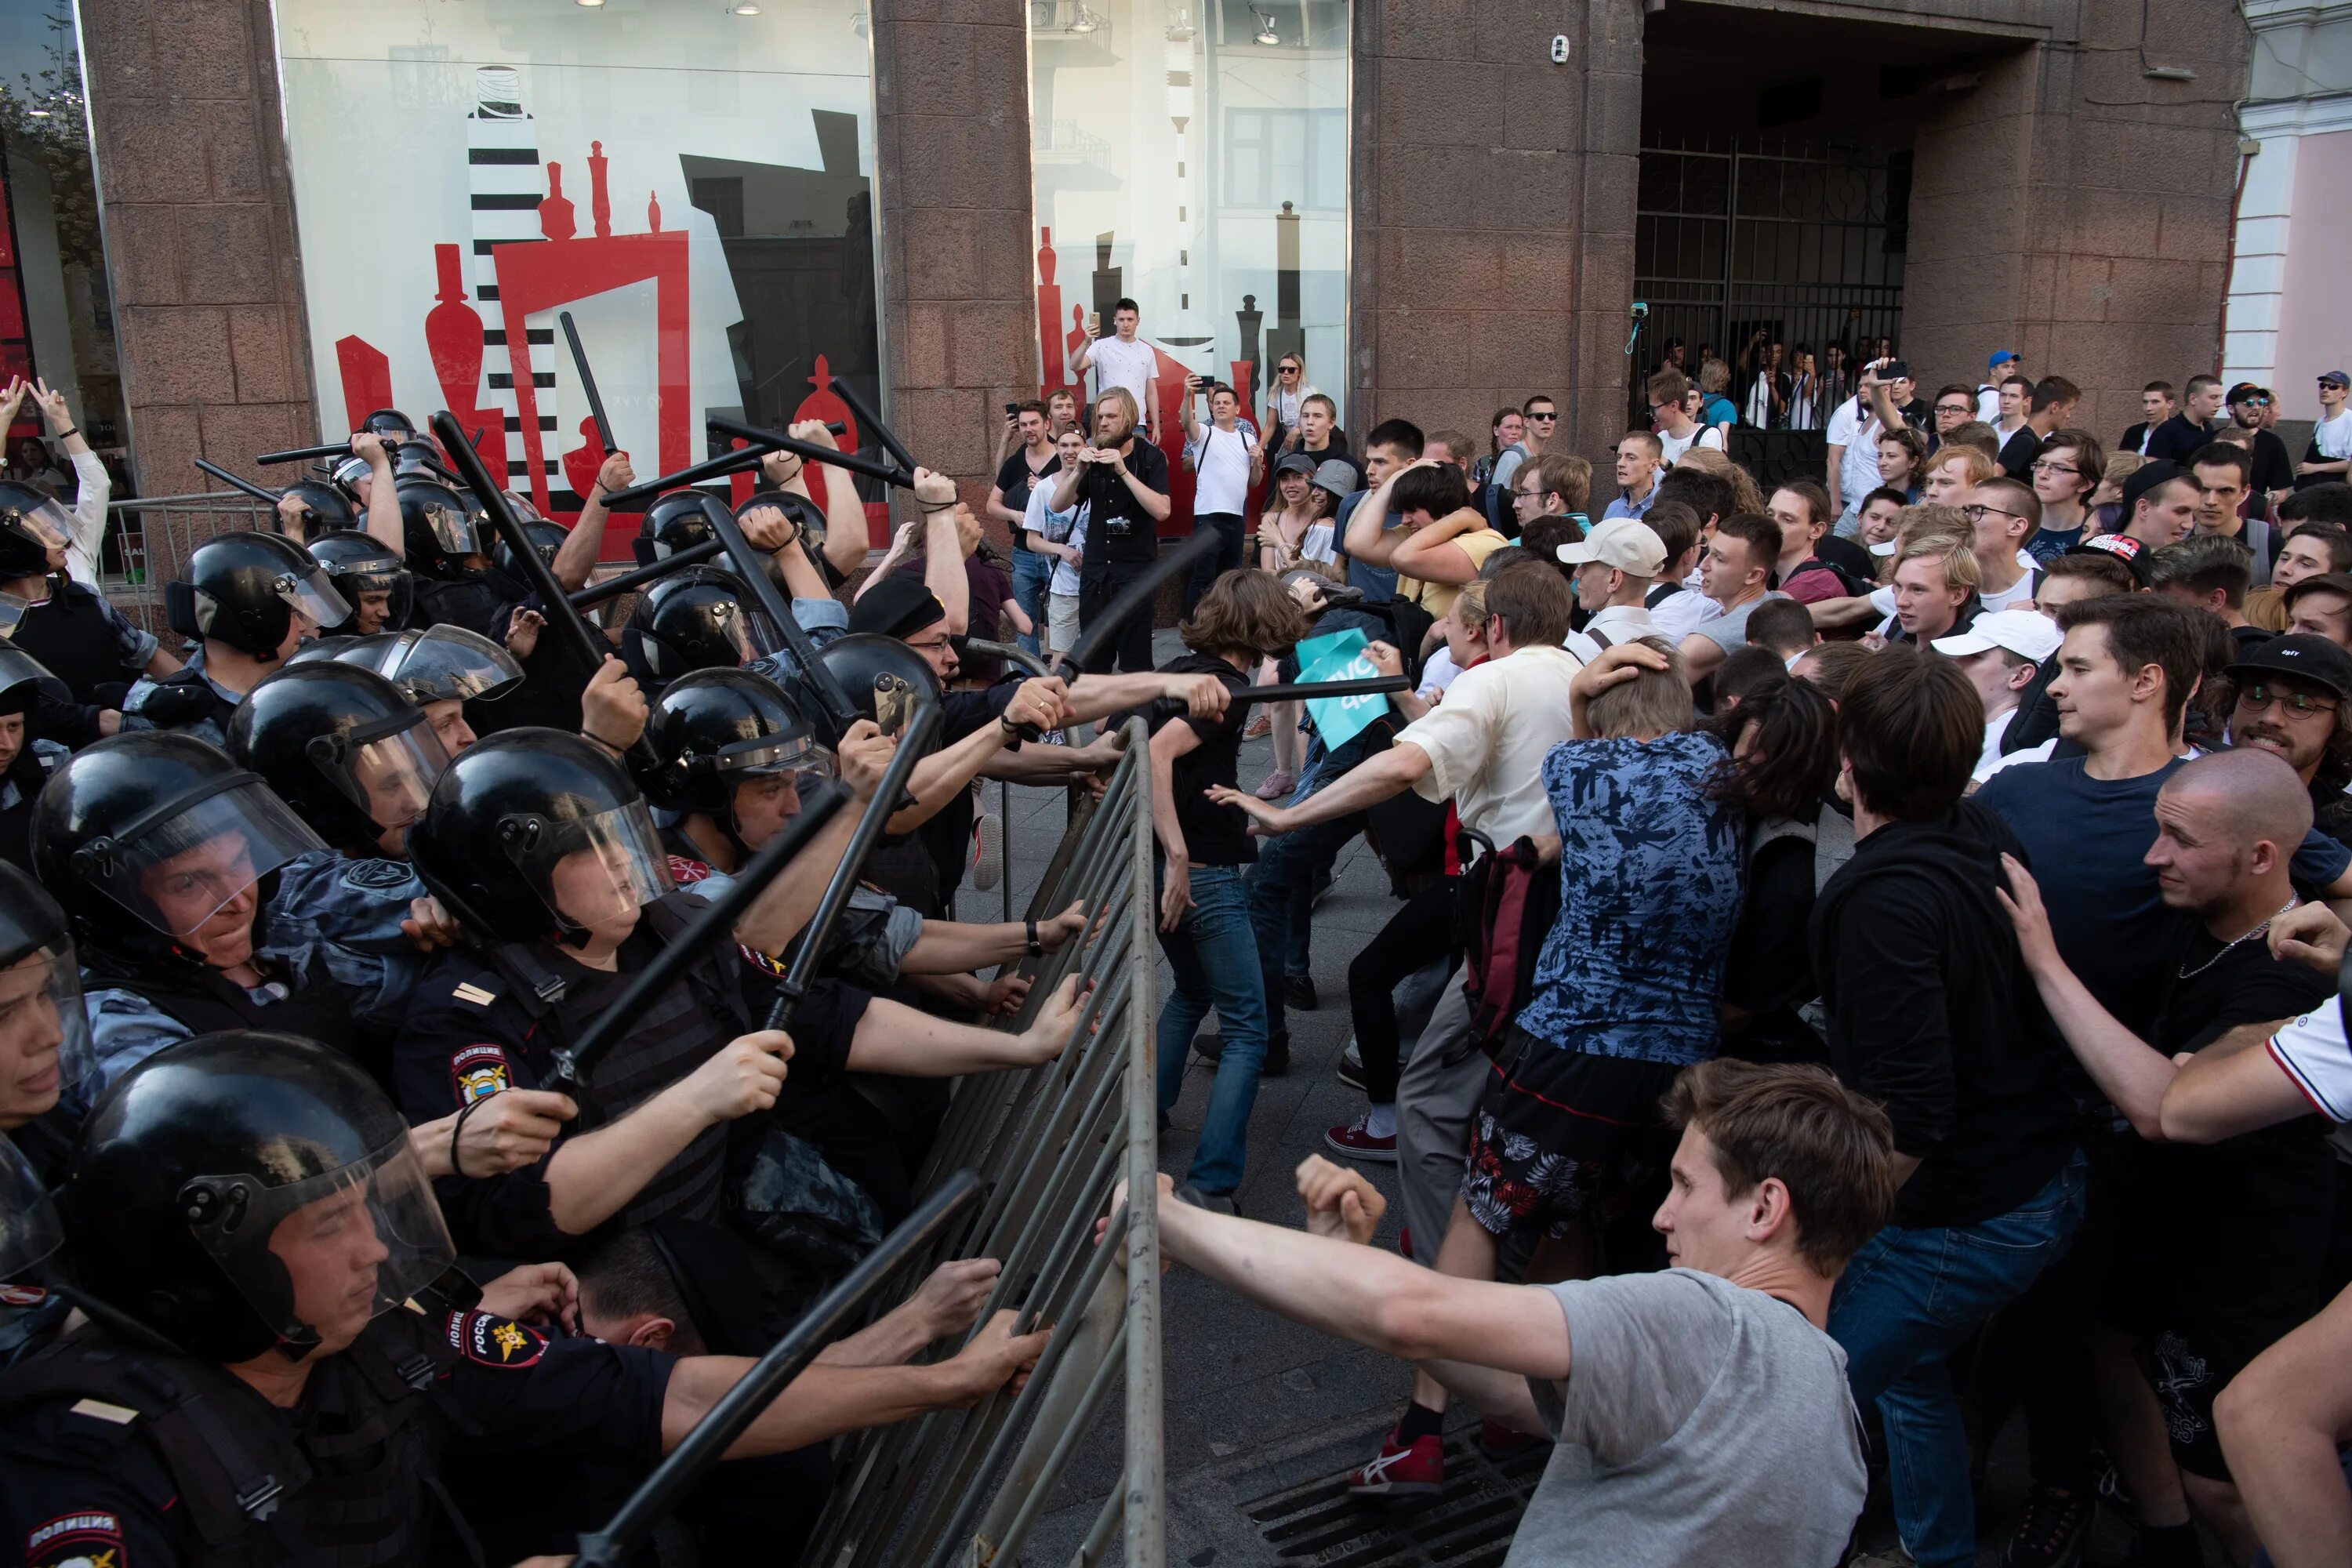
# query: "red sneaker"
(1356, 1142)
(1498, 1441)
(1414, 1469)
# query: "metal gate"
(1805, 241)
(961, 1489)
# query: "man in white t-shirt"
(2000, 653)
(1701, 1414)
(1226, 460)
(2004, 364)
(1125, 359)
(1851, 440)
(1677, 432)
(2330, 456)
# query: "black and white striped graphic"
(506, 183)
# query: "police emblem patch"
(478, 1072)
(76, 1540)
(494, 1341)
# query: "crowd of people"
(1862, 968)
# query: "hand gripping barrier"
(963, 1488)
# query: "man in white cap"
(2000, 653)
(1613, 568)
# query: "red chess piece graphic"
(1077, 339)
(653, 212)
(824, 403)
(555, 212)
(581, 463)
(1051, 366)
(367, 378)
(600, 201)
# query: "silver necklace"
(2226, 947)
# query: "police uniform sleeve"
(76, 1492)
(125, 1030)
(135, 646)
(519, 1388)
(463, 1042)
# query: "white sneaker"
(987, 851)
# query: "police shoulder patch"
(86, 1540)
(494, 1341)
(377, 875)
(477, 1072)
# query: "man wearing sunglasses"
(2294, 698)
(2330, 455)
(1541, 417)
(2252, 409)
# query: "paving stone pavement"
(1254, 1403)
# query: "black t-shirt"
(2017, 454)
(2177, 438)
(1214, 835)
(1768, 972)
(2272, 469)
(1119, 531)
(948, 835)
(1016, 477)
(1847, 553)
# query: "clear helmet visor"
(313, 593)
(387, 774)
(452, 527)
(29, 1230)
(184, 867)
(12, 611)
(319, 1257)
(449, 664)
(794, 753)
(594, 871)
(49, 522)
(45, 1051)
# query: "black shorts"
(1558, 1129)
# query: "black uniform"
(84, 642)
(121, 1455)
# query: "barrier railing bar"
(1144, 1506)
(1106, 1524)
(1006, 1547)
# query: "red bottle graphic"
(600, 201)
(555, 219)
(453, 334)
(1049, 316)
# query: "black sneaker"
(1298, 992)
(1211, 1047)
(2052, 1533)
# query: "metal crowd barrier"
(960, 1488)
(153, 534)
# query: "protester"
(2064, 473)
(1641, 458)
(1737, 575)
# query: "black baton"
(588, 384)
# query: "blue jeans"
(1904, 1302)
(1031, 572)
(1282, 906)
(1222, 559)
(1214, 956)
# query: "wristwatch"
(1036, 948)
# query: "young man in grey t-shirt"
(1702, 1413)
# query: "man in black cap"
(2160, 504)
(2294, 698)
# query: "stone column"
(1493, 212)
(959, 235)
(199, 219)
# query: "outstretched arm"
(577, 556)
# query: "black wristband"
(69, 430)
(1036, 948)
(459, 1127)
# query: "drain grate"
(1469, 1525)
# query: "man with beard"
(2292, 697)
(1124, 483)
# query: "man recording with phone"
(1227, 458)
(1124, 482)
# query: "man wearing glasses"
(1677, 431)
(2330, 456)
(2252, 409)
(1542, 417)
(1955, 406)
(2292, 697)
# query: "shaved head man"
(2211, 1247)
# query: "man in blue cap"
(2004, 363)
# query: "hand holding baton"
(588, 384)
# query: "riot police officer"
(70, 626)
(447, 543)
(166, 856)
(253, 1214)
(44, 1071)
(26, 760)
(700, 618)
(251, 598)
(371, 576)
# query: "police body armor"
(471, 602)
(209, 1004)
(351, 1485)
(70, 635)
(34, 764)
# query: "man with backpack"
(1805, 572)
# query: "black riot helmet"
(31, 525)
(340, 744)
(390, 423)
(715, 729)
(439, 528)
(807, 517)
(245, 590)
(357, 563)
(41, 1012)
(883, 676)
(700, 618)
(546, 539)
(438, 664)
(25, 680)
(324, 508)
(675, 521)
(190, 1168)
(514, 814)
(145, 836)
